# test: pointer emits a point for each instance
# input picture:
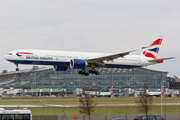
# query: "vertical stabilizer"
(111, 91)
(153, 49)
(162, 90)
(16, 77)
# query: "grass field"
(127, 100)
(131, 110)
(112, 110)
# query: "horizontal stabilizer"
(156, 60)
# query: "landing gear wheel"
(86, 74)
(90, 71)
(17, 69)
(97, 73)
(80, 72)
(83, 73)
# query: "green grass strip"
(120, 110)
(32, 101)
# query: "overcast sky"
(91, 25)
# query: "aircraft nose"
(5, 57)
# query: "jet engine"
(60, 68)
(78, 64)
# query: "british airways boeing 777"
(63, 60)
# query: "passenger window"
(11, 117)
(143, 117)
(159, 118)
(4, 117)
(7, 117)
(151, 118)
(27, 117)
(136, 118)
(18, 117)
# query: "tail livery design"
(153, 49)
(162, 90)
(16, 77)
(111, 91)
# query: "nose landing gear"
(17, 69)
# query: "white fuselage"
(98, 93)
(104, 93)
(154, 93)
(62, 58)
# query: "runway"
(76, 105)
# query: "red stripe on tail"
(149, 55)
(157, 42)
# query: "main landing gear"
(94, 72)
(83, 72)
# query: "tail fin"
(153, 49)
(16, 77)
(111, 91)
(162, 90)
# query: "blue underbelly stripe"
(39, 62)
(67, 63)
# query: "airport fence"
(101, 117)
(126, 114)
(107, 111)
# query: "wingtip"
(161, 36)
(145, 47)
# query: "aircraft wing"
(161, 59)
(110, 57)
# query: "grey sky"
(89, 25)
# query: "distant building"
(47, 78)
(174, 82)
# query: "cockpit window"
(9, 53)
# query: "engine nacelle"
(78, 64)
(60, 68)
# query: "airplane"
(100, 93)
(63, 60)
(20, 84)
(106, 93)
(156, 93)
(9, 82)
